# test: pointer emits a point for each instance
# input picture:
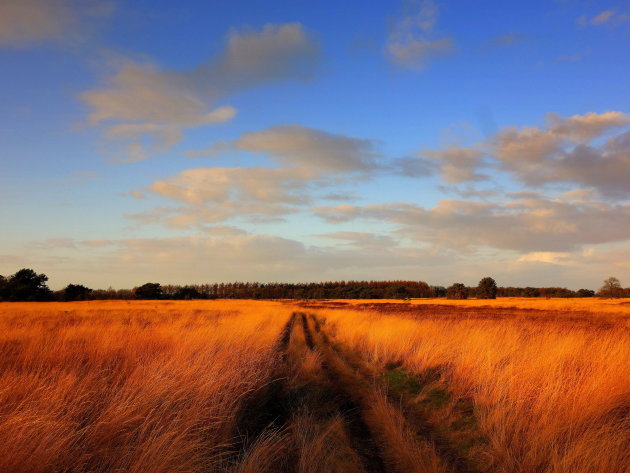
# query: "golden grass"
(161, 386)
(323, 446)
(550, 397)
(120, 386)
(594, 305)
(401, 447)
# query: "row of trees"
(27, 285)
(323, 290)
(486, 289)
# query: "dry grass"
(402, 449)
(119, 386)
(595, 306)
(162, 386)
(552, 397)
(323, 446)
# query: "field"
(427, 386)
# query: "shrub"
(150, 290)
(457, 291)
(487, 289)
(76, 292)
(585, 293)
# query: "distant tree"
(457, 291)
(401, 292)
(611, 288)
(188, 293)
(76, 292)
(555, 292)
(486, 289)
(112, 294)
(585, 293)
(150, 290)
(438, 291)
(3, 286)
(531, 292)
(27, 285)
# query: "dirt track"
(320, 385)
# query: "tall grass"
(551, 397)
(119, 386)
(160, 387)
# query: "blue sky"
(297, 141)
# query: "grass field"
(508, 385)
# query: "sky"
(193, 142)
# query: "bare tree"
(611, 288)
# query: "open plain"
(507, 385)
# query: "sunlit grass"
(118, 386)
(552, 397)
(595, 305)
(540, 386)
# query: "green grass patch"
(437, 398)
(401, 381)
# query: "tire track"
(360, 434)
(318, 380)
(420, 424)
(265, 409)
(285, 336)
(308, 337)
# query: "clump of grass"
(401, 381)
(135, 387)
(544, 388)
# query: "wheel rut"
(421, 426)
(318, 383)
(360, 434)
(266, 409)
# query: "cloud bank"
(26, 23)
(141, 99)
(590, 151)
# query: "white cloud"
(550, 257)
(29, 22)
(231, 255)
(297, 145)
(203, 185)
(227, 255)
(211, 195)
(412, 41)
(363, 240)
(563, 153)
(141, 99)
(583, 128)
(313, 161)
(457, 164)
(579, 150)
(137, 195)
(525, 146)
(605, 17)
(527, 225)
(414, 167)
(161, 138)
(300, 146)
(251, 58)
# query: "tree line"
(28, 285)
